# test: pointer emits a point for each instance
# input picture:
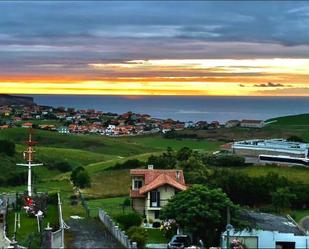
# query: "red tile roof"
(162, 180)
(156, 178)
(151, 174)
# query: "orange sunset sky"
(155, 48)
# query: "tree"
(202, 211)
(165, 161)
(80, 178)
(184, 153)
(282, 198)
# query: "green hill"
(293, 120)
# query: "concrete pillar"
(48, 234)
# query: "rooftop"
(154, 178)
(277, 143)
(270, 222)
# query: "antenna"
(29, 157)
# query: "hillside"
(293, 120)
(6, 99)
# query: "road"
(91, 234)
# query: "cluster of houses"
(70, 120)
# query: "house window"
(154, 199)
(157, 214)
(138, 184)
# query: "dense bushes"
(224, 160)
(62, 166)
(138, 235)
(172, 134)
(7, 147)
(128, 220)
(268, 189)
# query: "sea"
(184, 108)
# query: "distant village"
(70, 121)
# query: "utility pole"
(28, 156)
(229, 227)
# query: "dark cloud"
(271, 84)
(82, 32)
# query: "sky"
(243, 48)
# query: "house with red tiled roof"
(152, 188)
(252, 123)
(26, 125)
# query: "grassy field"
(159, 142)
(110, 183)
(300, 174)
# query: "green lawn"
(29, 227)
(113, 206)
(155, 236)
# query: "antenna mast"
(29, 157)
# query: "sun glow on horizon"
(238, 77)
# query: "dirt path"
(91, 234)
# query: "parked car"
(179, 242)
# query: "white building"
(281, 147)
(271, 232)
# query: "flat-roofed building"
(282, 147)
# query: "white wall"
(268, 239)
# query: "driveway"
(90, 234)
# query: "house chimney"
(150, 166)
(177, 175)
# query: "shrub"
(224, 160)
(63, 166)
(7, 147)
(129, 220)
(138, 235)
